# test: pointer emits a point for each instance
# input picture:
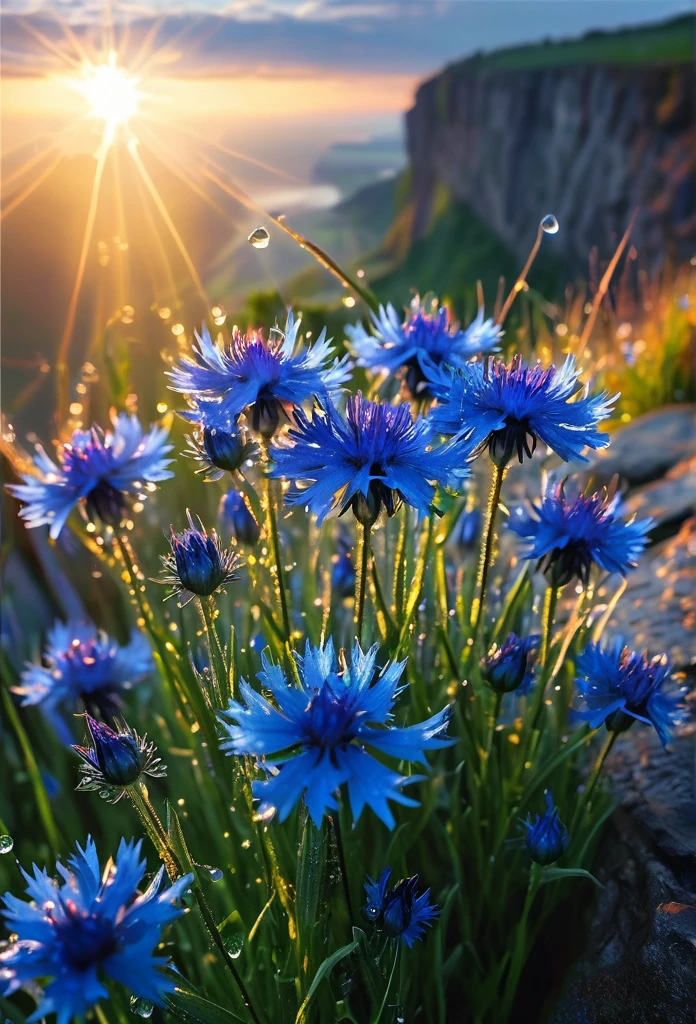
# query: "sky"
(293, 75)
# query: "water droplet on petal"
(259, 238)
(234, 944)
(549, 224)
(143, 1007)
(6, 844)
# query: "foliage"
(274, 931)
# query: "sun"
(112, 94)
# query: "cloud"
(404, 37)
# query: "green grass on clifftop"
(671, 42)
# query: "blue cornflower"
(85, 666)
(318, 734)
(398, 912)
(237, 519)
(220, 446)
(507, 409)
(620, 686)
(264, 378)
(568, 535)
(197, 564)
(547, 837)
(507, 668)
(87, 929)
(375, 458)
(421, 343)
(98, 470)
(114, 759)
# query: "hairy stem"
(361, 582)
(160, 840)
(477, 605)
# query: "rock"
(644, 449)
(658, 610)
(639, 964)
(668, 501)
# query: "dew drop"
(143, 1007)
(6, 844)
(215, 874)
(234, 945)
(549, 224)
(259, 238)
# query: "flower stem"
(43, 803)
(518, 952)
(162, 843)
(338, 832)
(586, 798)
(477, 604)
(274, 540)
(389, 983)
(491, 734)
(550, 602)
(217, 657)
(361, 582)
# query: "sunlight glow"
(112, 94)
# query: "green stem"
(274, 540)
(389, 983)
(160, 840)
(40, 795)
(361, 582)
(400, 565)
(491, 734)
(519, 947)
(477, 604)
(550, 601)
(343, 864)
(217, 657)
(586, 798)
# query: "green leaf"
(194, 1009)
(323, 972)
(176, 836)
(558, 874)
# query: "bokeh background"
(417, 141)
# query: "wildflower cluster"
(357, 692)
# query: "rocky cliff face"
(587, 143)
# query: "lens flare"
(112, 94)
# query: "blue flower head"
(315, 737)
(547, 837)
(507, 668)
(567, 535)
(508, 408)
(83, 666)
(373, 460)
(114, 759)
(619, 687)
(98, 471)
(237, 519)
(220, 447)
(89, 928)
(197, 565)
(421, 343)
(398, 912)
(263, 378)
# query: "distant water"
(296, 198)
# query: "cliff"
(586, 130)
